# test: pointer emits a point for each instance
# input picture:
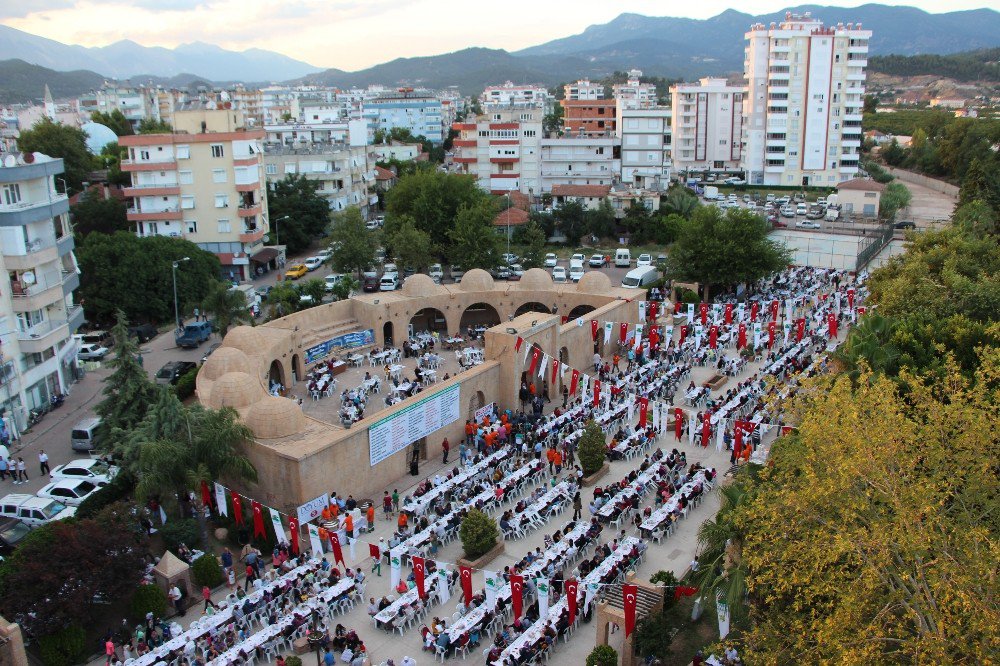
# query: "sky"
(354, 34)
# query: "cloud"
(20, 8)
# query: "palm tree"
(681, 203)
(870, 343)
(227, 307)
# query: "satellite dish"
(28, 158)
(10, 161)
(28, 278)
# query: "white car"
(733, 180)
(516, 272)
(91, 352)
(457, 272)
(551, 260)
(576, 272)
(332, 280)
(436, 272)
(596, 261)
(390, 270)
(70, 492)
(388, 283)
(801, 209)
(787, 211)
(312, 263)
(91, 469)
(577, 257)
(644, 260)
(559, 274)
(509, 258)
(324, 255)
(732, 197)
(808, 224)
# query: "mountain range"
(661, 46)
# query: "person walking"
(43, 462)
(109, 651)
(206, 594)
(197, 314)
(445, 448)
(395, 499)
(577, 506)
(3, 470)
(175, 598)
(22, 473)
(387, 505)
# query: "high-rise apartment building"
(38, 316)
(502, 149)
(707, 126)
(345, 174)
(570, 160)
(646, 139)
(805, 92)
(583, 89)
(204, 182)
(634, 92)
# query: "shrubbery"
(603, 655)
(479, 533)
(176, 532)
(207, 571)
(186, 384)
(592, 447)
(148, 599)
(65, 647)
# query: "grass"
(691, 635)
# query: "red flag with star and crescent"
(572, 588)
(593, 329)
(574, 381)
(630, 594)
(465, 573)
(293, 530)
(338, 553)
(237, 507)
(418, 575)
(678, 422)
(258, 520)
(516, 594)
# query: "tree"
(353, 244)
(127, 390)
(110, 159)
(154, 126)
(870, 104)
(895, 198)
(532, 241)
(58, 140)
(893, 154)
(473, 242)
(296, 198)
(313, 288)
(602, 655)
(479, 533)
(284, 299)
(601, 222)
(410, 246)
(592, 448)
(345, 287)
(124, 272)
(62, 569)
(680, 201)
(981, 183)
(977, 219)
(115, 121)
(570, 221)
(724, 248)
(95, 213)
(638, 221)
(553, 122)
(432, 199)
(226, 306)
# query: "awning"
(265, 255)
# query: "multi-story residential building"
(136, 103)
(645, 135)
(345, 173)
(802, 111)
(502, 148)
(509, 94)
(38, 316)
(419, 112)
(589, 117)
(582, 161)
(204, 182)
(707, 126)
(588, 196)
(634, 92)
(583, 89)
(397, 150)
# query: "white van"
(388, 282)
(640, 278)
(83, 437)
(623, 258)
(34, 511)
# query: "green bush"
(119, 489)
(603, 655)
(207, 571)
(65, 647)
(292, 660)
(687, 296)
(479, 533)
(653, 635)
(176, 532)
(185, 385)
(148, 599)
(592, 448)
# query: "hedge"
(65, 647)
(206, 570)
(148, 599)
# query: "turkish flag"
(630, 593)
(293, 534)
(654, 337)
(338, 554)
(652, 307)
(774, 310)
(713, 337)
(536, 356)
(374, 552)
(572, 586)
(564, 319)
(831, 320)
(800, 329)
(703, 312)
(622, 332)
(684, 591)
(517, 345)
(677, 307)
(465, 573)
(643, 411)
(770, 334)
(862, 310)
(754, 308)
(574, 380)
(593, 329)
(418, 574)
(706, 428)
(206, 495)
(516, 591)
(258, 520)
(850, 298)
(555, 371)
(738, 440)
(684, 332)
(237, 507)
(785, 430)
(741, 337)
(597, 392)
(678, 422)
(729, 313)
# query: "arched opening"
(429, 320)
(579, 311)
(297, 373)
(476, 402)
(531, 307)
(276, 377)
(479, 317)
(387, 333)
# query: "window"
(12, 194)
(218, 175)
(290, 167)
(270, 169)
(224, 226)
(192, 226)
(222, 201)
(185, 177)
(183, 152)
(187, 202)
(143, 154)
(218, 150)
(723, 142)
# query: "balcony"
(249, 210)
(36, 253)
(158, 189)
(170, 213)
(42, 336)
(76, 317)
(249, 160)
(147, 165)
(48, 288)
(26, 212)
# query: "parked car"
(172, 371)
(907, 224)
(457, 272)
(516, 272)
(640, 278)
(388, 282)
(369, 282)
(390, 269)
(576, 271)
(92, 469)
(193, 334)
(312, 263)
(559, 274)
(551, 260)
(295, 271)
(808, 224)
(70, 492)
(215, 345)
(500, 272)
(99, 338)
(801, 209)
(509, 258)
(783, 200)
(332, 280)
(787, 211)
(84, 436)
(436, 273)
(643, 260)
(143, 332)
(733, 180)
(597, 261)
(91, 352)
(34, 511)
(324, 254)
(623, 258)
(263, 291)
(12, 533)
(778, 222)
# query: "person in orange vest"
(470, 432)
(334, 509)
(557, 460)
(551, 456)
(349, 525)
(617, 361)
(403, 519)
(371, 517)
(327, 516)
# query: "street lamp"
(177, 313)
(283, 217)
(508, 222)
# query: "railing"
(40, 329)
(169, 209)
(872, 245)
(23, 205)
(146, 186)
(21, 289)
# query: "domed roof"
(477, 280)
(235, 389)
(534, 279)
(594, 282)
(98, 136)
(223, 360)
(246, 339)
(273, 417)
(419, 284)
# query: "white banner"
(220, 500)
(543, 365)
(642, 310)
(591, 594)
(424, 417)
(788, 329)
(638, 336)
(485, 411)
(690, 313)
(722, 610)
(312, 509)
(692, 424)
(656, 416)
(756, 334)
(444, 594)
(542, 586)
(492, 586)
(395, 565)
(279, 530)
(720, 434)
(608, 326)
(314, 542)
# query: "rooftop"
(511, 217)
(598, 191)
(863, 184)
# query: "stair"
(318, 335)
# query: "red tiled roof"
(512, 216)
(381, 173)
(598, 191)
(863, 184)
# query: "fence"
(872, 244)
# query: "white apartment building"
(707, 126)
(345, 173)
(502, 149)
(509, 94)
(634, 92)
(645, 135)
(420, 113)
(802, 112)
(395, 150)
(205, 183)
(579, 161)
(38, 316)
(583, 90)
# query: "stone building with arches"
(300, 456)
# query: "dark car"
(370, 283)
(173, 371)
(905, 225)
(209, 352)
(99, 338)
(12, 533)
(143, 332)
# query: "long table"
(418, 505)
